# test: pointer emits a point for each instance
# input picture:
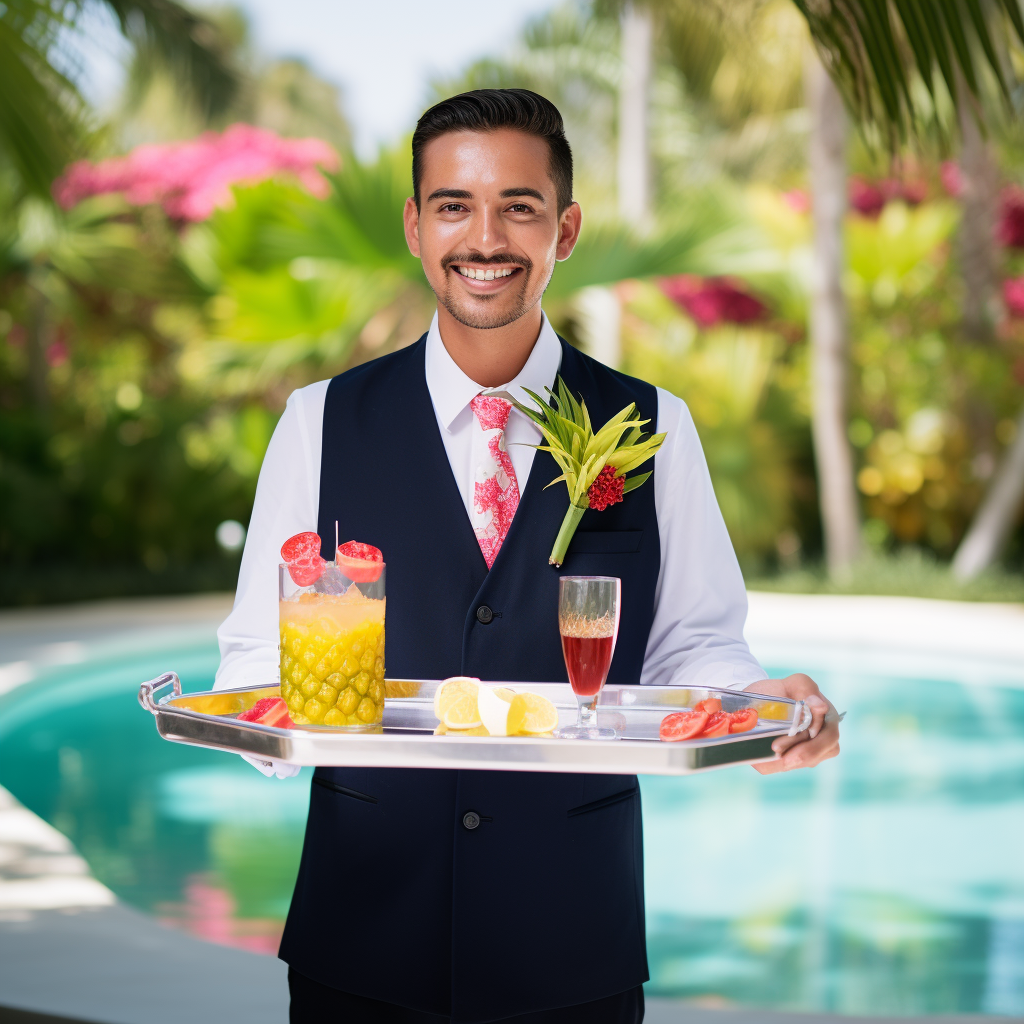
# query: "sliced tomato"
(743, 721)
(301, 547)
(710, 705)
(361, 563)
(717, 725)
(682, 725)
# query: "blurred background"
(805, 218)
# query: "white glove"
(282, 769)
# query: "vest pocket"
(605, 801)
(605, 542)
(344, 790)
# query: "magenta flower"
(1010, 227)
(712, 300)
(869, 198)
(952, 178)
(191, 179)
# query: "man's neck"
(490, 357)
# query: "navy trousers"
(313, 1003)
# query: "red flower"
(606, 489)
(1013, 296)
(869, 198)
(712, 300)
(1010, 229)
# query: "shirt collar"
(451, 390)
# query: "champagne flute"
(588, 621)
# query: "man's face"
(488, 229)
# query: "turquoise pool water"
(889, 881)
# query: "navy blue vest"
(542, 905)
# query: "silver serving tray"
(406, 739)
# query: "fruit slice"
(306, 572)
(300, 547)
(493, 703)
(462, 713)
(361, 563)
(710, 705)
(683, 725)
(743, 721)
(268, 711)
(451, 689)
(717, 725)
(443, 730)
(530, 713)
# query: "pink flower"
(1013, 296)
(797, 199)
(56, 353)
(1010, 227)
(712, 300)
(869, 198)
(191, 179)
(951, 177)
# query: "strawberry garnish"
(268, 711)
(361, 563)
(301, 553)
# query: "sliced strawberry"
(306, 572)
(268, 711)
(301, 547)
(361, 563)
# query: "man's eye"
(519, 208)
(452, 208)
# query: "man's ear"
(411, 218)
(569, 224)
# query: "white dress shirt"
(700, 602)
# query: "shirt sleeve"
(701, 602)
(287, 502)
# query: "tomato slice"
(360, 562)
(717, 725)
(743, 721)
(682, 725)
(710, 705)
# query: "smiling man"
(424, 895)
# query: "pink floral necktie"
(495, 488)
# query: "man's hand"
(821, 739)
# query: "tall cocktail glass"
(588, 620)
(332, 647)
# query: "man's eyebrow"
(511, 193)
(449, 193)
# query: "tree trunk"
(994, 521)
(634, 171)
(828, 332)
(977, 228)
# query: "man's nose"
(487, 232)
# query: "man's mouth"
(487, 273)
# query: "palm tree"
(43, 118)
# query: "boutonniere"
(594, 465)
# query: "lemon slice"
(530, 713)
(443, 730)
(493, 703)
(462, 712)
(450, 690)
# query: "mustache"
(501, 257)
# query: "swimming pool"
(890, 880)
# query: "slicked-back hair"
(489, 110)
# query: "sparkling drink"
(332, 650)
(587, 660)
(588, 621)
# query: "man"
(408, 907)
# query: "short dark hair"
(488, 110)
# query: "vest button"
(470, 820)
(484, 614)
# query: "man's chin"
(484, 319)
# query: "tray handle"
(802, 718)
(151, 693)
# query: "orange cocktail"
(332, 650)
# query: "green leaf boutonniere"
(594, 465)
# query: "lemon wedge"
(493, 703)
(450, 691)
(530, 713)
(462, 713)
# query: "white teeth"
(484, 275)
(489, 276)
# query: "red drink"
(587, 659)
